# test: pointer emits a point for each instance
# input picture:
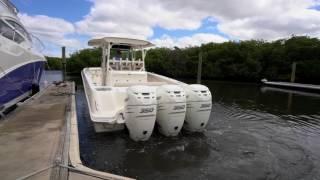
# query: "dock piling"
(199, 68)
(64, 63)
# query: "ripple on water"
(241, 142)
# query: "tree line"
(248, 61)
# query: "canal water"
(254, 133)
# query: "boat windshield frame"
(115, 43)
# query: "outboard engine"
(199, 104)
(171, 110)
(140, 115)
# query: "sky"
(166, 23)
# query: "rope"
(83, 172)
(37, 172)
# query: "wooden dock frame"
(288, 85)
(40, 140)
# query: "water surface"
(254, 133)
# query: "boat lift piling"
(64, 62)
(199, 73)
(293, 72)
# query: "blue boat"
(21, 64)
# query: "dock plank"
(39, 140)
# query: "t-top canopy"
(134, 43)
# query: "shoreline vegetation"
(245, 61)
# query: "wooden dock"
(39, 140)
(307, 87)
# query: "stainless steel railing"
(10, 6)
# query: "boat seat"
(139, 83)
(137, 65)
(126, 65)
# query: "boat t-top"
(121, 93)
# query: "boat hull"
(21, 64)
(106, 127)
(19, 83)
(101, 123)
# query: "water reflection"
(166, 156)
(48, 77)
(290, 93)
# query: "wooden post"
(64, 63)
(293, 72)
(199, 68)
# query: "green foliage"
(53, 63)
(300, 48)
(242, 60)
(83, 58)
(235, 60)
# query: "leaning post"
(199, 68)
(64, 63)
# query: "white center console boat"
(121, 93)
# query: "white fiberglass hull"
(111, 107)
(20, 72)
(101, 122)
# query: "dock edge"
(74, 149)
